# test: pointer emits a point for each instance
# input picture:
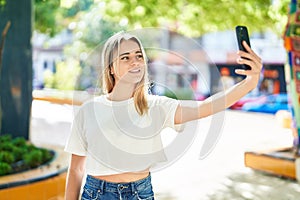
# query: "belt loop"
(133, 188)
(101, 186)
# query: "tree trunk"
(16, 76)
(2, 41)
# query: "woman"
(115, 137)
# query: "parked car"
(268, 104)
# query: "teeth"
(135, 70)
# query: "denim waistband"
(102, 185)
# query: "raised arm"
(225, 99)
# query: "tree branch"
(3, 36)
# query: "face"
(129, 65)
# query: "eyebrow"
(127, 53)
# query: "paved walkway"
(220, 176)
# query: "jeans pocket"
(145, 197)
(146, 194)
(89, 194)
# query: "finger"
(245, 62)
(245, 56)
(254, 66)
(240, 72)
(245, 72)
(249, 50)
(247, 47)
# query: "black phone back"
(242, 35)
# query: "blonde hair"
(112, 45)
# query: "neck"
(121, 93)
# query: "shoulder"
(91, 102)
(95, 99)
(160, 100)
(152, 97)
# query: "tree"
(194, 18)
(16, 73)
(51, 16)
(90, 31)
(47, 16)
(189, 17)
(2, 41)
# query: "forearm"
(189, 110)
(73, 184)
(227, 98)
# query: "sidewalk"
(221, 175)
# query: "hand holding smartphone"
(242, 35)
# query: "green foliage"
(51, 16)
(48, 79)
(19, 152)
(98, 30)
(93, 21)
(7, 157)
(194, 18)
(90, 31)
(5, 168)
(5, 138)
(19, 142)
(71, 8)
(6, 146)
(46, 155)
(181, 94)
(46, 15)
(189, 17)
(2, 3)
(33, 158)
(65, 76)
(18, 155)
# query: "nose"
(134, 61)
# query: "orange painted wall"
(48, 189)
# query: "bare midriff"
(124, 177)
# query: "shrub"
(5, 168)
(19, 152)
(7, 157)
(18, 155)
(6, 146)
(19, 142)
(33, 158)
(46, 155)
(65, 76)
(5, 138)
(181, 94)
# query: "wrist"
(252, 81)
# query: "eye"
(140, 56)
(125, 58)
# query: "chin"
(133, 79)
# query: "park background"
(51, 49)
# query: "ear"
(111, 70)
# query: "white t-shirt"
(116, 139)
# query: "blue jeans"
(97, 189)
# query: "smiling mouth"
(135, 71)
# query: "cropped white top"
(116, 139)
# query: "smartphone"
(242, 35)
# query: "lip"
(137, 70)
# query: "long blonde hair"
(112, 45)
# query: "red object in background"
(239, 104)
